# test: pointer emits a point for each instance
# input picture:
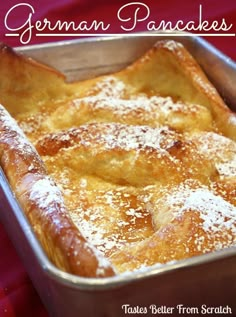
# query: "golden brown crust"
(26, 82)
(127, 154)
(181, 181)
(137, 166)
(189, 220)
(182, 78)
(43, 204)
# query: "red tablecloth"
(17, 295)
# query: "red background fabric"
(17, 295)
(105, 10)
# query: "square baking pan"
(193, 286)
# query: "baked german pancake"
(122, 171)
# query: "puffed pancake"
(122, 171)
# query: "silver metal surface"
(208, 279)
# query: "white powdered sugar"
(155, 107)
(102, 262)
(215, 212)
(8, 123)
(124, 106)
(172, 45)
(14, 133)
(116, 105)
(227, 169)
(214, 144)
(109, 86)
(220, 150)
(46, 194)
(137, 137)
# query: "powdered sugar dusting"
(46, 194)
(227, 169)
(15, 137)
(116, 135)
(110, 86)
(156, 110)
(117, 217)
(137, 137)
(121, 106)
(215, 212)
(221, 150)
(8, 123)
(172, 45)
(102, 262)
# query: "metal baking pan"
(194, 286)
